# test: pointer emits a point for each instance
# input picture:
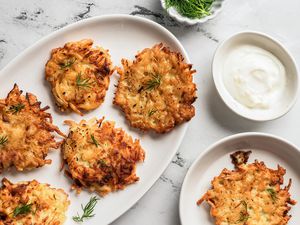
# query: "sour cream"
(254, 76)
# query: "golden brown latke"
(32, 203)
(25, 132)
(249, 195)
(156, 90)
(79, 75)
(100, 157)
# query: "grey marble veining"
(22, 23)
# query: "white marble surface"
(22, 23)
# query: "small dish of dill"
(192, 11)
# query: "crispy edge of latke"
(240, 157)
(127, 63)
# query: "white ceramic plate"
(123, 35)
(268, 148)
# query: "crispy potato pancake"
(249, 195)
(32, 203)
(156, 90)
(79, 75)
(100, 157)
(25, 132)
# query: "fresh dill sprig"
(191, 8)
(95, 142)
(83, 83)
(3, 140)
(151, 112)
(244, 215)
(272, 194)
(22, 209)
(88, 210)
(16, 108)
(154, 83)
(68, 63)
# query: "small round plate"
(268, 148)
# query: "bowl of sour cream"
(256, 76)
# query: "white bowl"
(216, 8)
(271, 149)
(277, 49)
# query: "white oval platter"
(123, 35)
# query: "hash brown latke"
(79, 75)
(249, 195)
(30, 202)
(100, 157)
(156, 90)
(25, 132)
